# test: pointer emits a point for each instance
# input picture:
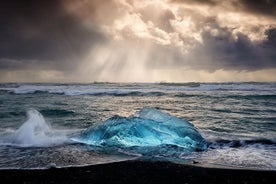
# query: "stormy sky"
(137, 40)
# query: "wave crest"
(35, 132)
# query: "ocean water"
(38, 121)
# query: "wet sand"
(138, 172)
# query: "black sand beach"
(138, 172)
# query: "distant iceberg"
(149, 132)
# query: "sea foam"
(35, 132)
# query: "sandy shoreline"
(137, 172)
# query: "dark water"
(238, 120)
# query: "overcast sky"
(137, 40)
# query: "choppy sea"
(238, 121)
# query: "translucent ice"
(148, 132)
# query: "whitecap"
(35, 132)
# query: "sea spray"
(35, 132)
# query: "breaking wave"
(152, 89)
(35, 132)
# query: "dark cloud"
(35, 33)
(228, 49)
(97, 11)
(222, 51)
(260, 7)
(265, 7)
(207, 2)
(225, 52)
(111, 37)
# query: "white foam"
(35, 132)
(255, 156)
(118, 89)
(25, 89)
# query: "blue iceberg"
(149, 132)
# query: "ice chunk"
(148, 131)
